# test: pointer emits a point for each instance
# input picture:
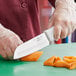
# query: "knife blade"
(35, 44)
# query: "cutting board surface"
(18, 68)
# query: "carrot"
(32, 57)
(56, 62)
(72, 66)
(57, 59)
(50, 61)
(67, 62)
(61, 63)
(69, 59)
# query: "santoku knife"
(35, 44)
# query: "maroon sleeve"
(16, 15)
(52, 2)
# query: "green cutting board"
(18, 68)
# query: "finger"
(8, 52)
(70, 29)
(50, 22)
(66, 28)
(3, 54)
(73, 26)
(17, 38)
(15, 43)
(19, 42)
(64, 33)
(57, 32)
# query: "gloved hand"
(63, 18)
(8, 43)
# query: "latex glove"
(8, 43)
(63, 18)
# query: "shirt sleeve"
(52, 2)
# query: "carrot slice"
(32, 57)
(69, 59)
(72, 66)
(61, 63)
(57, 59)
(67, 62)
(50, 61)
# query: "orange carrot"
(50, 61)
(57, 59)
(61, 63)
(72, 66)
(69, 59)
(32, 57)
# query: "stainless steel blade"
(34, 44)
(31, 46)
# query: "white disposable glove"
(63, 18)
(8, 43)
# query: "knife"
(35, 44)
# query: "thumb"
(57, 32)
(50, 24)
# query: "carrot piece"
(72, 66)
(73, 60)
(67, 62)
(57, 59)
(69, 59)
(61, 63)
(32, 57)
(50, 61)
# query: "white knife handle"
(50, 34)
